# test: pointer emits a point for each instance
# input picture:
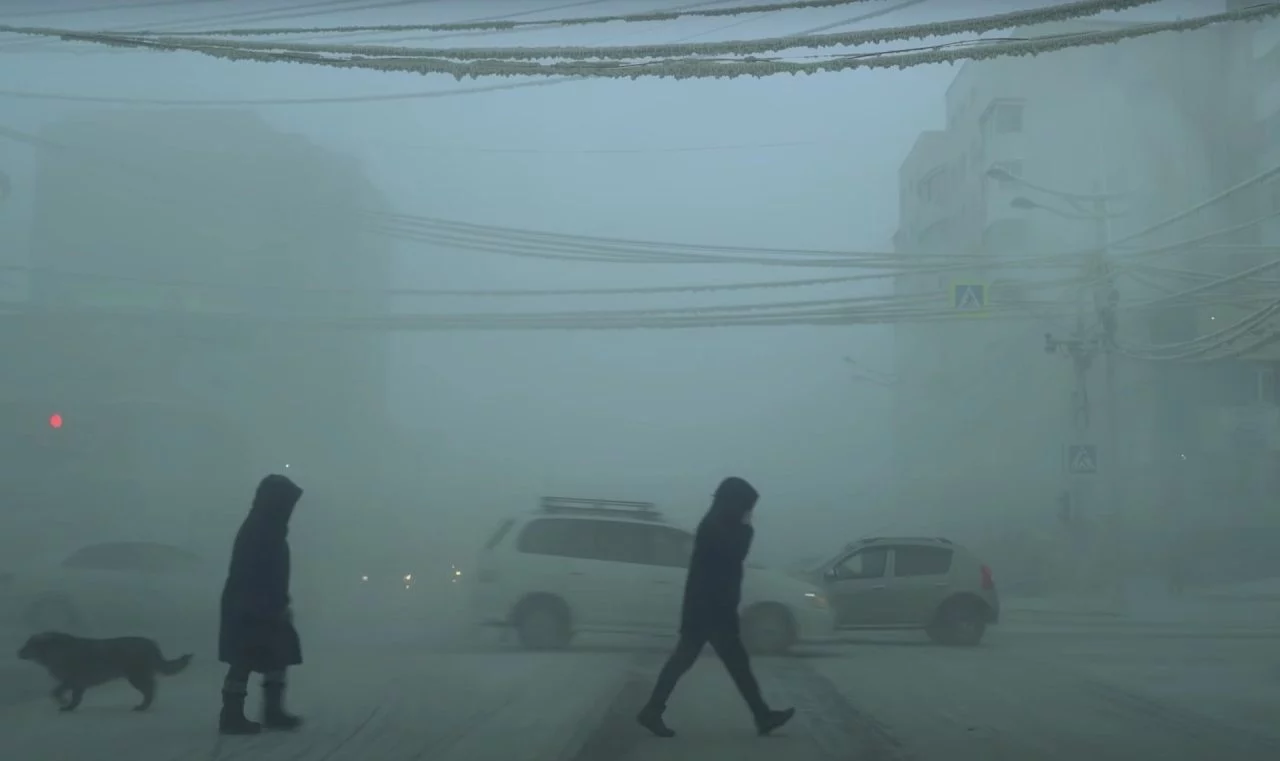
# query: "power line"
(100, 8)
(689, 68)
(860, 18)
(976, 25)
(503, 23)
(245, 102)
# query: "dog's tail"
(175, 666)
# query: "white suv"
(580, 565)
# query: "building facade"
(183, 266)
(984, 415)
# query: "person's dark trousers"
(728, 645)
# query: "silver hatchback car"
(929, 584)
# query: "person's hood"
(275, 499)
(734, 498)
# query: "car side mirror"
(831, 574)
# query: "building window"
(1003, 117)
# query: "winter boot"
(771, 720)
(650, 717)
(232, 720)
(273, 714)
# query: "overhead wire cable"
(808, 41)
(686, 68)
(504, 24)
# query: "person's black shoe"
(273, 714)
(651, 719)
(773, 720)
(232, 720)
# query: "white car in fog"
(124, 588)
(603, 566)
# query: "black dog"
(78, 663)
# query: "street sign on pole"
(1082, 459)
(969, 297)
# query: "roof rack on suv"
(641, 510)
(872, 539)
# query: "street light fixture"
(1024, 203)
(1000, 174)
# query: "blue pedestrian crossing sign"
(1082, 459)
(969, 297)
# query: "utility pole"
(1106, 302)
(1085, 344)
(1094, 334)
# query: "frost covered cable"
(976, 25)
(255, 102)
(1200, 276)
(99, 8)
(1228, 280)
(1200, 345)
(434, 222)
(703, 69)
(1272, 9)
(956, 259)
(1269, 338)
(504, 25)
(565, 252)
(859, 19)
(448, 292)
(455, 35)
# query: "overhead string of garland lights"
(691, 68)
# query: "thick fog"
(217, 270)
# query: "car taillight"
(988, 583)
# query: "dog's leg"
(144, 682)
(77, 694)
(59, 693)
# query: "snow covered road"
(890, 698)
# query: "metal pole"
(1106, 309)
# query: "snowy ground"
(1022, 696)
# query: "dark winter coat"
(713, 588)
(256, 629)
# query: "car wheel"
(54, 614)
(768, 630)
(543, 624)
(959, 623)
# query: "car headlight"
(816, 600)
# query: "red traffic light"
(55, 420)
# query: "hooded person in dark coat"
(256, 632)
(712, 594)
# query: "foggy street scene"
(639, 380)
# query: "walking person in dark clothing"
(712, 593)
(256, 632)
